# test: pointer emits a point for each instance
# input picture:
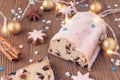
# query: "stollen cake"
(78, 40)
(40, 70)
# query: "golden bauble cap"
(96, 7)
(14, 27)
(109, 44)
(48, 4)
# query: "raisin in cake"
(78, 40)
(36, 71)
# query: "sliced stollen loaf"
(78, 40)
(40, 70)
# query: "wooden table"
(101, 69)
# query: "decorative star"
(36, 37)
(34, 15)
(81, 77)
(64, 29)
(56, 1)
(32, 2)
(93, 25)
(66, 9)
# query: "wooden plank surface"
(101, 69)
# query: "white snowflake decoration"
(81, 77)
(36, 36)
(66, 9)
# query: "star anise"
(34, 15)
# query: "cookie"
(36, 37)
(80, 76)
(78, 40)
(40, 70)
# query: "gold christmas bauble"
(48, 4)
(14, 27)
(96, 7)
(109, 44)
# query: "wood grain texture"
(101, 70)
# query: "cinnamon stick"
(7, 55)
(13, 49)
(11, 52)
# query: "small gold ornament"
(59, 6)
(109, 44)
(48, 4)
(96, 7)
(110, 52)
(41, 8)
(14, 27)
